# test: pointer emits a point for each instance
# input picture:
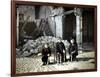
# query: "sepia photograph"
(52, 38)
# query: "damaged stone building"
(64, 22)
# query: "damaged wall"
(27, 11)
(34, 14)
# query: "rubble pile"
(35, 46)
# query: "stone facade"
(42, 21)
(51, 25)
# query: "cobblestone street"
(34, 64)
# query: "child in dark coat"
(73, 49)
(61, 51)
(46, 52)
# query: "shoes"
(45, 63)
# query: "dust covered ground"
(86, 60)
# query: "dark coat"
(73, 48)
(45, 52)
(60, 47)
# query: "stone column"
(58, 21)
(17, 25)
(78, 14)
(53, 25)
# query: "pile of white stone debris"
(35, 46)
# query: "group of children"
(61, 51)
